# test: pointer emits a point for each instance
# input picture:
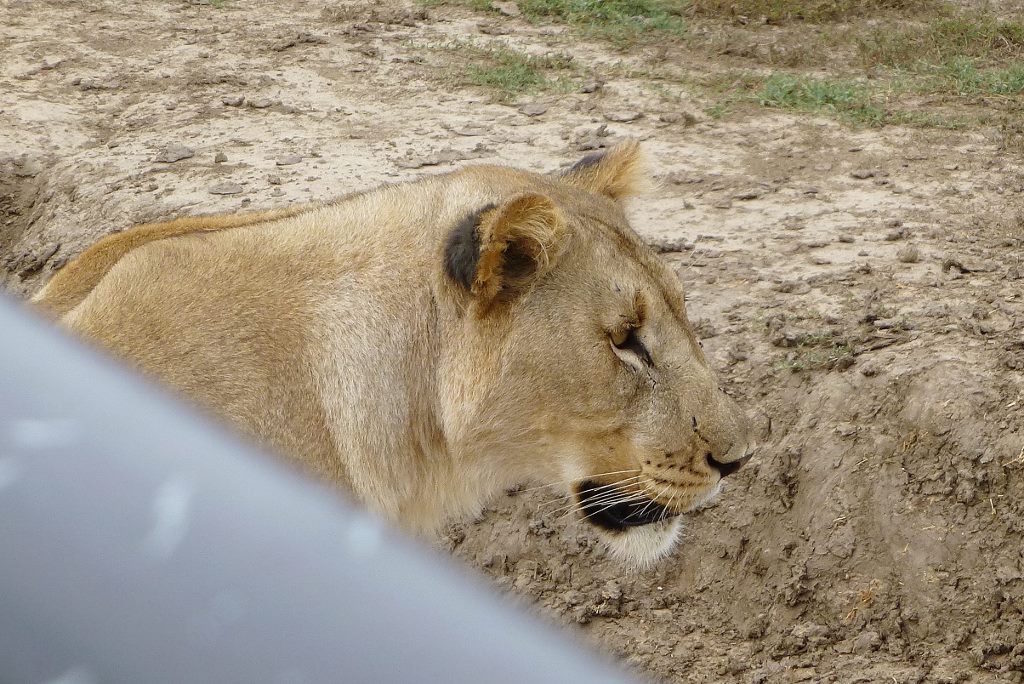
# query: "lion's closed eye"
(629, 347)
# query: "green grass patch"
(478, 5)
(848, 99)
(619, 20)
(961, 76)
(507, 72)
(813, 11)
(943, 39)
(856, 102)
(623, 22)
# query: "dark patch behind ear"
(592, 159)
(462, 250)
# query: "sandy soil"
(862, 293)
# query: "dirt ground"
(860, 290)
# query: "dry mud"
(861, 292)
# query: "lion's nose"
(726, 469)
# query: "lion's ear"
(618, 172)
(497, 252)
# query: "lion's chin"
(641, 547)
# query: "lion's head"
(575, 361)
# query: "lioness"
(427, 345)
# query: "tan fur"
(336, 335)
(69, 286)
(622, 173)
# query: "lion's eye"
(627, 340)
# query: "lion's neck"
(388, 421)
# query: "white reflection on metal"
(76, 675)
(364, 537)
(37, 434)
(171, 507)
(10, 472)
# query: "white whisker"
(654, 499)
(628, 499)
(614, 485)
(608, 502)
(578, 479)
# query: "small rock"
(750, 194)
(591, 87)
(722, 204)
(220, 158)
(820, 261)
(611, 591)
(786, 339)
(867, 642)
(797, 287)
(469, 131)
(233, 100)
(623, 115)
(846, 430)
(870, 369)
(226, 188)
(97, 84)
(533, 109)
(909, 254)
(890, 323)
(669, 244)
(28, 168)
(261, 103)
(809, 630)
(276, 192)
(289, 159)
(590, 144)
(573, 597)
(493, 28)
(174, 153)
(687, 118)
(862, 174)
(844, 362)
(846, 239)
(170, 105)
(755, 626)
(509, 9)
(274, 179)
(33, 264)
